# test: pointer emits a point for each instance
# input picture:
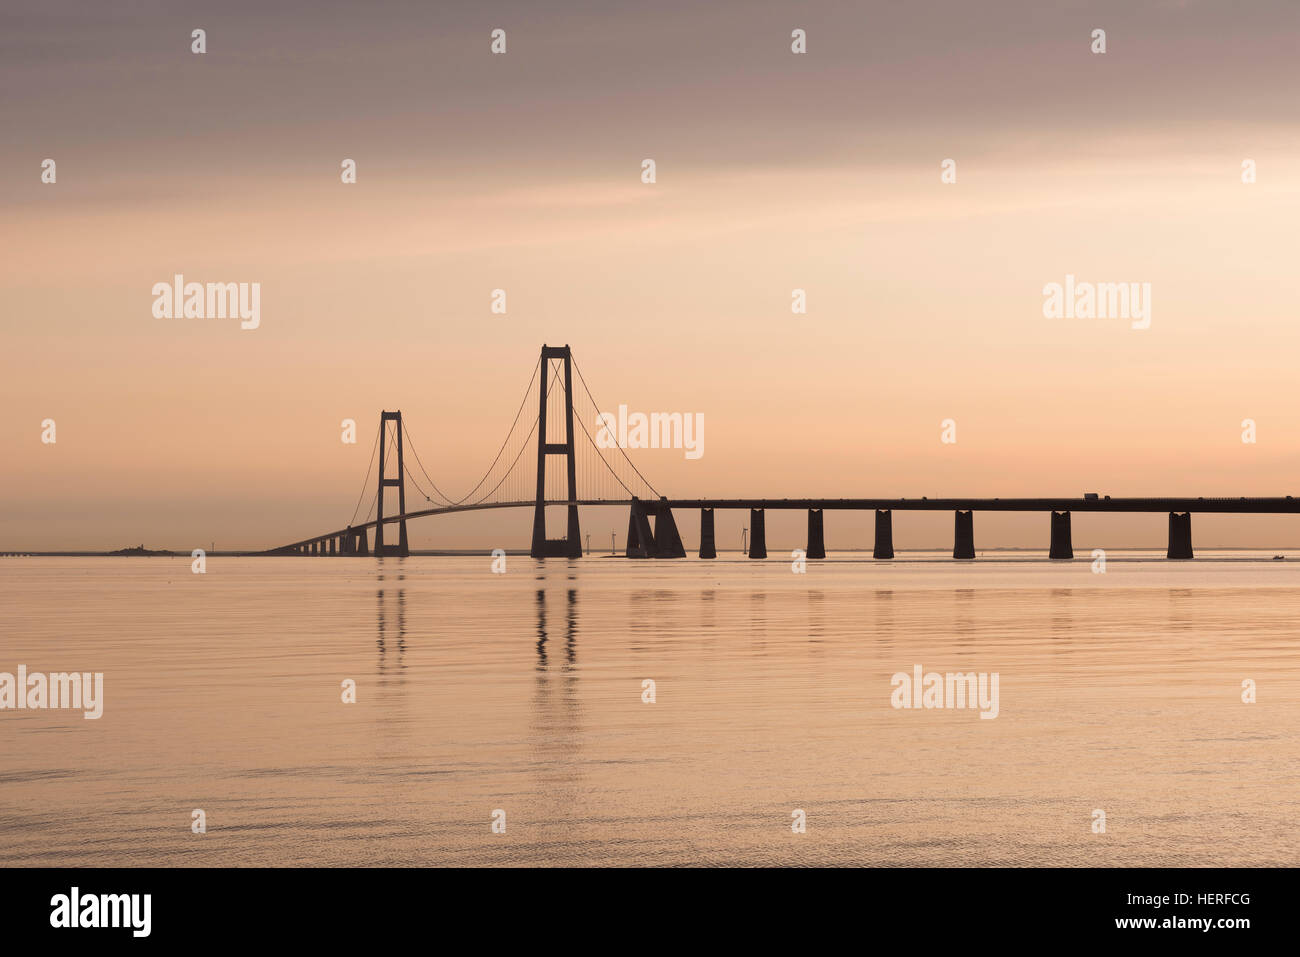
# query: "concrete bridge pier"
(963, 540)
(363, 543)
(1061, 545)
(668, 543)
(640, 538)
(757, 534)
(708, 546)
(816, 538)
(884, 534)
(333, 544)
(1180, 535)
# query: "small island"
(140, 550)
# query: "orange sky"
(522, 172)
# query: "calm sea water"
(523, 692)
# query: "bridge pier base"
(1180, 535)
(757, 534)
(333, 545)
(708, 545)
(963, 542)
(884, 534)
(400, 550)
(816, 537)
(568, 547)
(1062, 547)
(363, 543)
(574, 534)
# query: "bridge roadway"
(1241, 505)
(1202, 504)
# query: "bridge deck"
(1225, 505)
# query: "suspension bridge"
(569, 459)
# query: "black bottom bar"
(947, 908)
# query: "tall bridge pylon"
(402, 548)
(571, 545)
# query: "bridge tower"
(401, 549)
(571, 545)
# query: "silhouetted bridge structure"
(652, 529)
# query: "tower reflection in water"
(392, 625)
(555, 733)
